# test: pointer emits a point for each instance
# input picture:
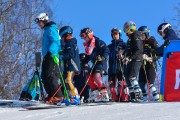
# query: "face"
(85, 37)
(162, 34)
(41, 24)
(115, 35)
(143, 36)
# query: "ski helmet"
(65, 31)
(145, 30)
(129, 26)
(116, 30)
(43, 17)
(164, 27)
(87, 32)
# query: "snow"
(116, 111)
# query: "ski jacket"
(50, 39)
(134, 47)
(102, 50)
(170, 35)
(114, 47)
(70, 56)
(150, 47)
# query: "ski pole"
(148, 87)
(88, 78)
(123, 79)
(66, 95)
(158, 81)
(63, 84)
(55, 93)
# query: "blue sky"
(103, 15)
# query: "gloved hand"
(126, 60)
(119, 57)
(60, 52)
(145, 57)
(56, 59)
(99, 58)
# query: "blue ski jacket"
(70, 56)
(114, 63)
(170, 35)
(51, 39)
(102, 50)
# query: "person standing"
(133, 59)
(97, 52)
(167, 33)
(50, 48)
(81, 79)
(70, 57)
(148, 69)
(116, 48)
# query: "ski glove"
(99, 58)
(145, 57)
(56, 59)
(126, 60)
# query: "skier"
(80, 80)
(133, 59)
(96, 51)
(116, 48)
(148, 69)
(70, 57)
(50, 48)
(167, 33)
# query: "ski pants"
(147, 74)
(50, 76)
(131, 71)
(95, 81)
(70, 86)
(80, 81)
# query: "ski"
(5, 103)
(43, 106)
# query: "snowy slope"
(117, 111)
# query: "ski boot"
(145, 97)
(154, 93)
(75, 100)
(102, 96)
(93, 95)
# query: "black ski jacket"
(150, 47)
(134, 47)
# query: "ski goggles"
(83, 35)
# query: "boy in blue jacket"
(70, 57)
(115, 71)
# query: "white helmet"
(42, 16)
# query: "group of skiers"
(130, 66)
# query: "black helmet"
(65, 30)
(86, 32)
(145, 30)
(164, 27)
(115, 29)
